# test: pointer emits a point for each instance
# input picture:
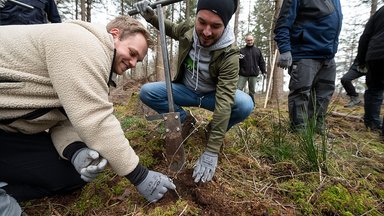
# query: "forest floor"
(264, 168)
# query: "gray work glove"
(362, 69)
(285, 60)
(205, 167)
(144, 9)
(88, 163)
(154, 186)
(8, 204)
(2, 3)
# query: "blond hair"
(129, 26)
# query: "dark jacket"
(251, 61)
(309, 28)
(43, 11)
(371, 43)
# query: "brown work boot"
(188, 125)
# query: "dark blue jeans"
(373, 96)
(155, 96)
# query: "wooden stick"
(270, 79)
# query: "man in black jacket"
(371, 55)
(251, 64)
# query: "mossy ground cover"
(263, 169)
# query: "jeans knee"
(245, 109)
(143, 94)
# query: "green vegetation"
(264, 167)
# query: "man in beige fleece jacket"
(57, 128)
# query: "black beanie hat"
(223, 8)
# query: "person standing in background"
(251, 64)
(307, 35)
(370, 55)
(43, 11)
(352, 74)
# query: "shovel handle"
(153, 5)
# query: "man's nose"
(207, 31)
(133, 62)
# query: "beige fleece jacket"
(63, 65)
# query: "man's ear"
(115, 32)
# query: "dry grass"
(261, 171)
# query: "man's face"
(128, 51)
(209, 27)
(249, 40)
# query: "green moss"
(147, 159)
(299, 193)
(334, 199)
(134, 134)
(179, 208)
(92, 196)
(132, 121)
(338, 200)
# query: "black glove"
(285, 60)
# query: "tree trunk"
(82, 6)
(159, 60)
(236, 27)
(373, 6)
(121, 7)
(89, 8)
(76, 9)
(278, 73)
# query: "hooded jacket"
(309, 28)
(64, 65)
(223, 69)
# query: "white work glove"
(88, 163)
(2, 3)
(205, 167)
(8, 205)
(144, 9)
(285, 60)
(154, 186)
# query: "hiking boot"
(353, 102)
(188, 125)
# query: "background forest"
(264, 169)
(253, 16)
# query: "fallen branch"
(347, 116)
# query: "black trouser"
(32, 167)
(347, 79)
(373, 96)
